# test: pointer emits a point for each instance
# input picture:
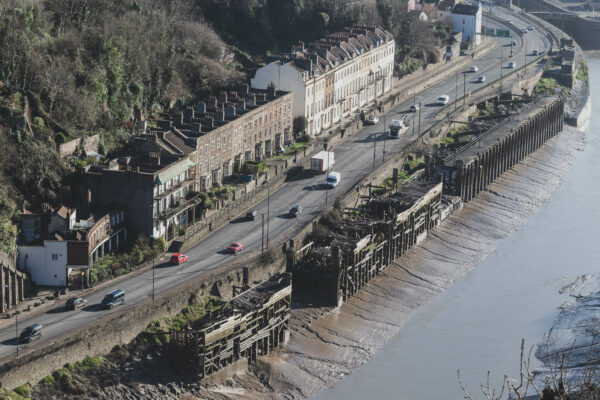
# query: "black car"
(76, 302)
(31, 333)
(251, 215)
(295, 211)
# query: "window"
(54, 257)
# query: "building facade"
(333, 76)
(467, 19)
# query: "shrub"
(160, 244)
(92, 362)
(38, 123)
(60, 138)
(23, 390)
(48, 381)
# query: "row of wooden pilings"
(478, 173)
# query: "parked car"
(512, 65)
(514, 43)
(31, 333)
(76, 302)
(295, 211)
(508, 21)
(473, 69)
(524, 30)
(333, 179)
(534, 52)
(414, 108)
(235, 248)
(251, 215)
(530, 27)
(178, 258)
(372, 120)
(114, 298)
(443, 100)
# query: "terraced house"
(334, 75)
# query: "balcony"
(192, 199)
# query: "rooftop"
(465, 9)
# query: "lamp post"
(262, 243)
(419, 134)
(268, 209)
(456, 91)
(374, 148)
(326, 178)
(16, 323)
(153, 265)
(464, 88)
(384, 135)
(414, 103)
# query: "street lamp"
(384, 135)
(152, 238)
(268, 209)
(16, 323)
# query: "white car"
(372, 120)
(414, 108)
(512, 65)
(481, 78)
(524, 30)
(443, 100)
(473, 69)
(508, 21)
(530, 27)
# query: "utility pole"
(419, 118)
(456, 91)
(268, 209)
(384, 135)
(464, 88)
(374, 148)
(153, 267)
(414, 103)
(262, 243)
(326, 177)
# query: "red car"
(235, 247)
(178, 258)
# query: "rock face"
(327, 344)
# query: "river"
(478, 323)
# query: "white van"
(443, 100)
(333, 179)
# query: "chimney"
(196, 127)
(233, 95)
(271, 90)
(210, 122)
(188, 115)
(164, 124)
(246, 89)
(223, 97)
(230, 111)
(178, 119)
(153, 158)
(212, 102)
(251, 100)
(201, 108)
(241, 105)
(221, 115)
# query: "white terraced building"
(333, 76)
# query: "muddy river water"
(476, 325)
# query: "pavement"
(354, 158)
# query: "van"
(31, 333)
(443, 100)
(114, 298)
(333, 179)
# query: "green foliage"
(332, 219)
(160, 245)
(549, 86)
(60, 138)
(91, 362)
(299, 125)
(23, 390)
(446, 141)
(48, 381)
(38, 123)
(414, 164)
(195, 312)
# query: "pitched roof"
(173, 170)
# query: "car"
(524, 30)
(512, 64)
(530, 27)
(481, 78)
(75, 303)
(178, 258)
(235, 247)
(534, 52)
(31, 333)
(513, 43)
(251, 215)
(508, 21)
(372, 120)
(414, 108)
(295, 211)
(473, 69)
(443, 100)
(114, 298)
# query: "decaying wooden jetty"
(251, 324)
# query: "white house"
(334, 75)
(47, 262)
(467, 19)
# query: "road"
(353, 157)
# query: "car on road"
(178, 258)
(235, 247)
(524, 30)
(473, 69)
(514, 43)
(295, 211)
(251, 215)
(114, 298)
(512, 64)
(481, 79)
(75, 302)
(31, 333)
(443, 100)
(508, 21)
(534, 52)
(414, 108)
(530, 27)
(372, 120)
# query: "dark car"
(251, 215)
(31, 333)
(295, 211)
(76, 302)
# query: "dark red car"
(178, 258)
(235, 248)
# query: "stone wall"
(13, 283)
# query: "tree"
(299, 125)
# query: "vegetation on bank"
(549, 86)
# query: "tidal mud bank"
(327, 344)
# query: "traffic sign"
(502, 33)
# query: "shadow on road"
(10, 342)
(433, 105)
(300, 175)
(378, 137)
(285, 216)
(93, 308)
(240, 220)
(57, 310)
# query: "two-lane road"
(354, 158)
